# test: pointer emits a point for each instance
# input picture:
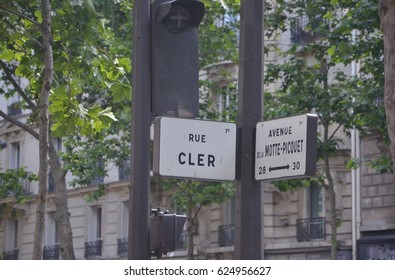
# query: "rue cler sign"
(286, 148)
(194, 149)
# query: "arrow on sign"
(274, 168)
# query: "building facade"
(295, 223)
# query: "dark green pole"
(248, 243)
(138, 240)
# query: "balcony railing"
(25, 184)
(226, 235)
(10, 255)
(51, 252)
(306, 30)
(122, 247)
(299, 34)
(310, 229)
(124, 170)
(93, 249)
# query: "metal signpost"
(138, 243)
(286, 148)
(248, 232)
(194, 149)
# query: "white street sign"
(286, 148)
(194, 149)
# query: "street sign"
(195, 149)
(286, 148)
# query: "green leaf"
(331, 50)
(39, 16)
(108, 114)
(207, 3)
(125, 63)
(7, 55)
(121, 92)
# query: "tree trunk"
(43, 131)
(190, 223)
(334, 218)
(62, 216)
(332, 198)
(387, 16)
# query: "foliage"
(86, 70)
(92, 69)
(92, 153)
(382, 164)
(194, 194)
(311, 76)
(208, 108)
(320, 83)
(12, 183)
(83, 63)
(218, 32)
(88, 163)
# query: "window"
(51, 248)
(229, 20)
(93, 247)
(226, 231)
(98, 223)
(313, 227)
(95, 223)
(316, 201)
(226, 99)
(122, 242)
(99, 176)
(11, 240)
(124, 219)
(52, 232)
(12, 234)
(15, 155)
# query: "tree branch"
(25, 127)
(21, 92)
(334, 132)
(20, 15)
(196, 212)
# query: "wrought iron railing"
(310, 229)
(51, 252)
(25, 184)
(299, 34)
(93, 248)
(226, 235)
(98, 178)
(306, 30)
(122, 247)
(10, 255)
(124, 170)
